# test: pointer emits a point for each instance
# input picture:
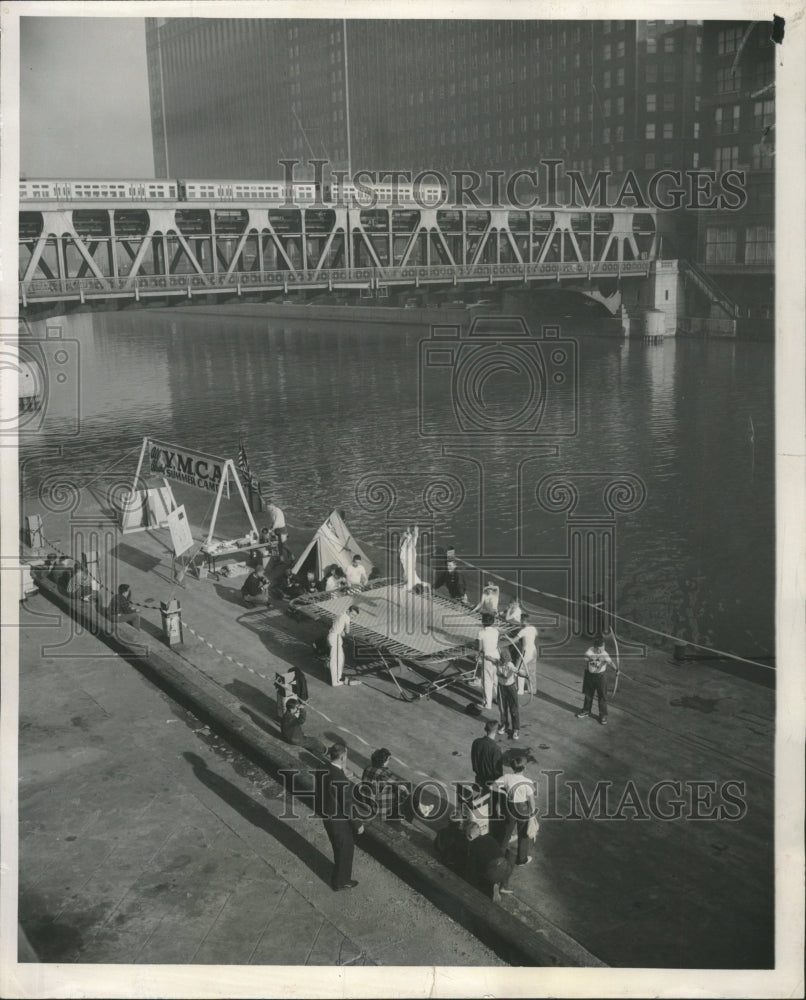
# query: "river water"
(328, 410)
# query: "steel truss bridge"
(104, 251)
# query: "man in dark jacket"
(336, 809)
(453, 581)
(486, 757)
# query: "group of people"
(76, 581)
(483, 858)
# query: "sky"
(84, 98)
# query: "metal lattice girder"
(143, 249)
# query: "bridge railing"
(95, 287)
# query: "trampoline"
(413, 629)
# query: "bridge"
(103, 251)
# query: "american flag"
(243, 465)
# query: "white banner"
(180, 465)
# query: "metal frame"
(231, 246)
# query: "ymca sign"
(193, 468)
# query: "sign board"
(180, 530)
(193, 468)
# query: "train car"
(383, 195)
(98, 190)
(272, 192)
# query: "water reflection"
(322, 405)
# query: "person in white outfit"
(276, 519)
(527, 639)
(356, 574)
(488, 605)
(490, 657)
(408, 558)
(338, 630)
(514, 613)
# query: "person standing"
(356, 574)
(594, 680)
(518, 805)
(514, 613)
(408, 559)
(338, 630)
(508, 695)
(337, 813)
(453, 581)
(527, 639)
(488, 605)
(486, 757)
(489, 656)
(276, 520)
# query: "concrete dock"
(628, 888)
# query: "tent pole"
(219, 491)
(243, 495)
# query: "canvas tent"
(332, 543)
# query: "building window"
(619, 133)
(606, 162)
(649, 161)
(698, 43)
(668, 43)
(668, 101)
(728, 40)
(619, 77)
(652, 102)
(669, 72)
(606, 108)
(619, 105)
(763, 114)
(726, 158)
(606, 80)
(651, 46)
(696, 130)
(606, 27)
(720, 245)
(727, 82)
(619, 162)
(695, 160)
(668, 130)
(607, 52)
(649, 132)
(606, 135)
(762, 156)
(652, 74)
(620, 50)
(759, 245)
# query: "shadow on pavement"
(261, 818)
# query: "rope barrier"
(621, 618)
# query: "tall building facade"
(737, 249)
(231, 98)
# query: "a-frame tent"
(332, 544)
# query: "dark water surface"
(327, 409)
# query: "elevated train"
(302, 194)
